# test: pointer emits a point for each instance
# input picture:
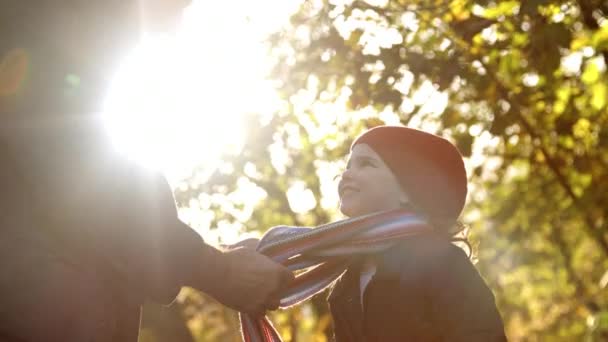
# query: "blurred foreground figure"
(85, 236)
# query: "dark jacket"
(85, 236)
(424, 289)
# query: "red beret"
(429, 168)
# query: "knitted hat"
(429, 168)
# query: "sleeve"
(162, 253)
(462, 305)
(104, 208)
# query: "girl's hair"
(460, 235)
(455, 231)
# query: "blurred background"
(250, 110)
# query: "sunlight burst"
(178, 101)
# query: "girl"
(400, 276)
(424, 288)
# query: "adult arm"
(168, 254)
(115, 217)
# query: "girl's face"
(368, 185)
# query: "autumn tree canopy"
(521, 88)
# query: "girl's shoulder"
(419, 256)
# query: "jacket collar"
(345, 301)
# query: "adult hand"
(253, 283)
(251, 243)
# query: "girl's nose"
(347, 175)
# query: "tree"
(519, 86)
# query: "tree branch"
(505, 94)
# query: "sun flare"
(178, 101)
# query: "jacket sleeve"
(462, 305)
(109, 214)
(163, 253)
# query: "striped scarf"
(323, 254)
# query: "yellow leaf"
(581, 128)
(600, 38)
(591, 73)
(458, 10)
(579, 42)
(599, 92)
(505, 8)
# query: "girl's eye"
(359, 163)
(365, 163)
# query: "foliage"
(520, 86)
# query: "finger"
(248, 243)
(258, 312)
(273, 304)
(286, 278)
(251, 243)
